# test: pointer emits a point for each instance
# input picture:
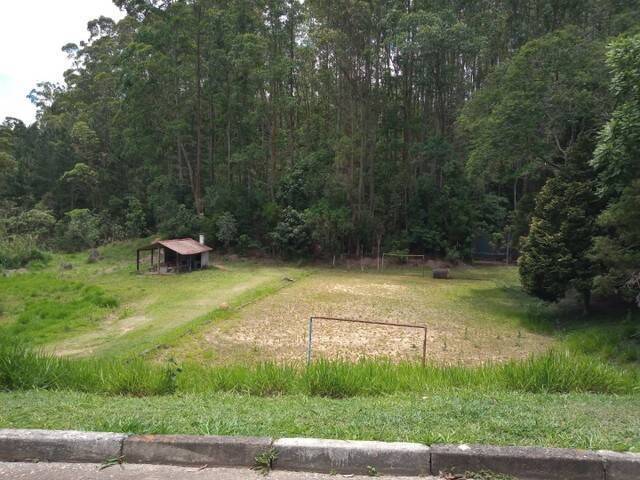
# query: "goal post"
(403, 255)
(369, 322)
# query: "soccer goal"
(402, 255)
(368, 322)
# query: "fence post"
(424, 348)
(310, 337)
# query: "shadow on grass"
(610, 332)
(512, 305)
(613, 335)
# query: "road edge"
(316, 455)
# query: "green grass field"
(466, 416)
(104, 348)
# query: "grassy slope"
(41, 307)
(572, 420)
(74, 311)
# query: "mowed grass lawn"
(127, 336)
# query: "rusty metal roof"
(183, 246)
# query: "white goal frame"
(402, 255)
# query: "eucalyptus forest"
(319, 128)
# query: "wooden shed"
(176, 255)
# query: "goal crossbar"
(369, 322)
(402, 255)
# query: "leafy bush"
(227, 229)
(291, 236)
(453, 255)
(555, 255)
(245, 244)
(19, 251)
(36, 222)
(179, 222)
(80, 228)
(135, 218)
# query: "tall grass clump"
(614, 341)
(263, 380)
(553, 372)
(339, 379)
(22, 369)
(563, 372)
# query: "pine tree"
(555, 254)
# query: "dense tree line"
(326, 127)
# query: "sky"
(32, 33)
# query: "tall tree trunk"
(197, 174)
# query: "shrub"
(291, 236)
(246, 245)
(136, 218)
(227, 229)
(19, 251)
(36, 222)
(177, 221)
(555, 253)
(79, 229)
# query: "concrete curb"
(317, 455)
(344, 456)
(620, 466)
(194, 450)
(528, 462)
(59, 446)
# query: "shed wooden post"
(137, 260)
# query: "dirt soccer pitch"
(476, 316)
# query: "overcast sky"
(32, 33)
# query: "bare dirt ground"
(469, 321)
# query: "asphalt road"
(84, 471)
